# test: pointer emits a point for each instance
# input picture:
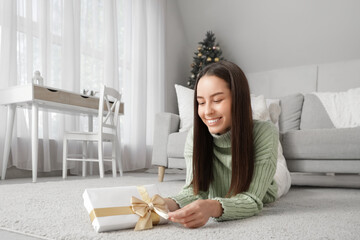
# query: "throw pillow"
(291, 106)
(274, 110)
(185, 98)
(265, 109)
(259, 108)
(313, 114)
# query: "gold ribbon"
(146, 209)
(110, 211)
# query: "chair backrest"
(109, 106)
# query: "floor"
(351, 181)
(15, 236)
(9, 235)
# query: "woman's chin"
(214, 130)
(218, 130)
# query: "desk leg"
(8, 137)
(34, 140)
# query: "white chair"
(109, 105)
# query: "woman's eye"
(201, 103)
(218, 100)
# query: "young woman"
(230, 158)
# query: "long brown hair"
(242, 149)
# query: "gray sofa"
(310, 142)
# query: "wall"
(262, 35)
(326, 77)
(175, 55)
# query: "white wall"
(262, 35)
(176, 64)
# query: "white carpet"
(54, 210)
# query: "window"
(39, 46)
(30, 48)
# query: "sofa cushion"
(324, 166)
(322, 144)
(185, 98)
(176, 163)
(314, 115)
(176, 144)
(290, 112)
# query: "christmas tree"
(208, 52)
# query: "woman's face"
(214, 104)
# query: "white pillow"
(259, 108)
(265, 109)
(185, 97)
(274, 110)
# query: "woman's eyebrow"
(212, 95)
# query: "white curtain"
(143, 78)
(78, 45)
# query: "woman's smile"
(213, 121)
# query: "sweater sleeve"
(186, 195)
(249, 203)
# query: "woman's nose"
(209, 109)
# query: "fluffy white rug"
(54, 210)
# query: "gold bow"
(145, 208)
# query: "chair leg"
(64, 158)
(161, 173)
(84, 155)
(113, 158)
(101, 157)
(91, 146)
(118, 156)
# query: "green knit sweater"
(263, 188)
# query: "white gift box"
(110, 208)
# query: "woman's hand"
(196, 214)
(171, 204)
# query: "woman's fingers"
(195, 221)
(185, 220)
(183, 212)
(182, 216)
(190, 219)
(196, 214)
(194, 224)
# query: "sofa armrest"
(165, 124)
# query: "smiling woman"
(230, 158)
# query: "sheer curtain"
(143, 76)
(78, 45)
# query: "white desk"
(41, 97)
